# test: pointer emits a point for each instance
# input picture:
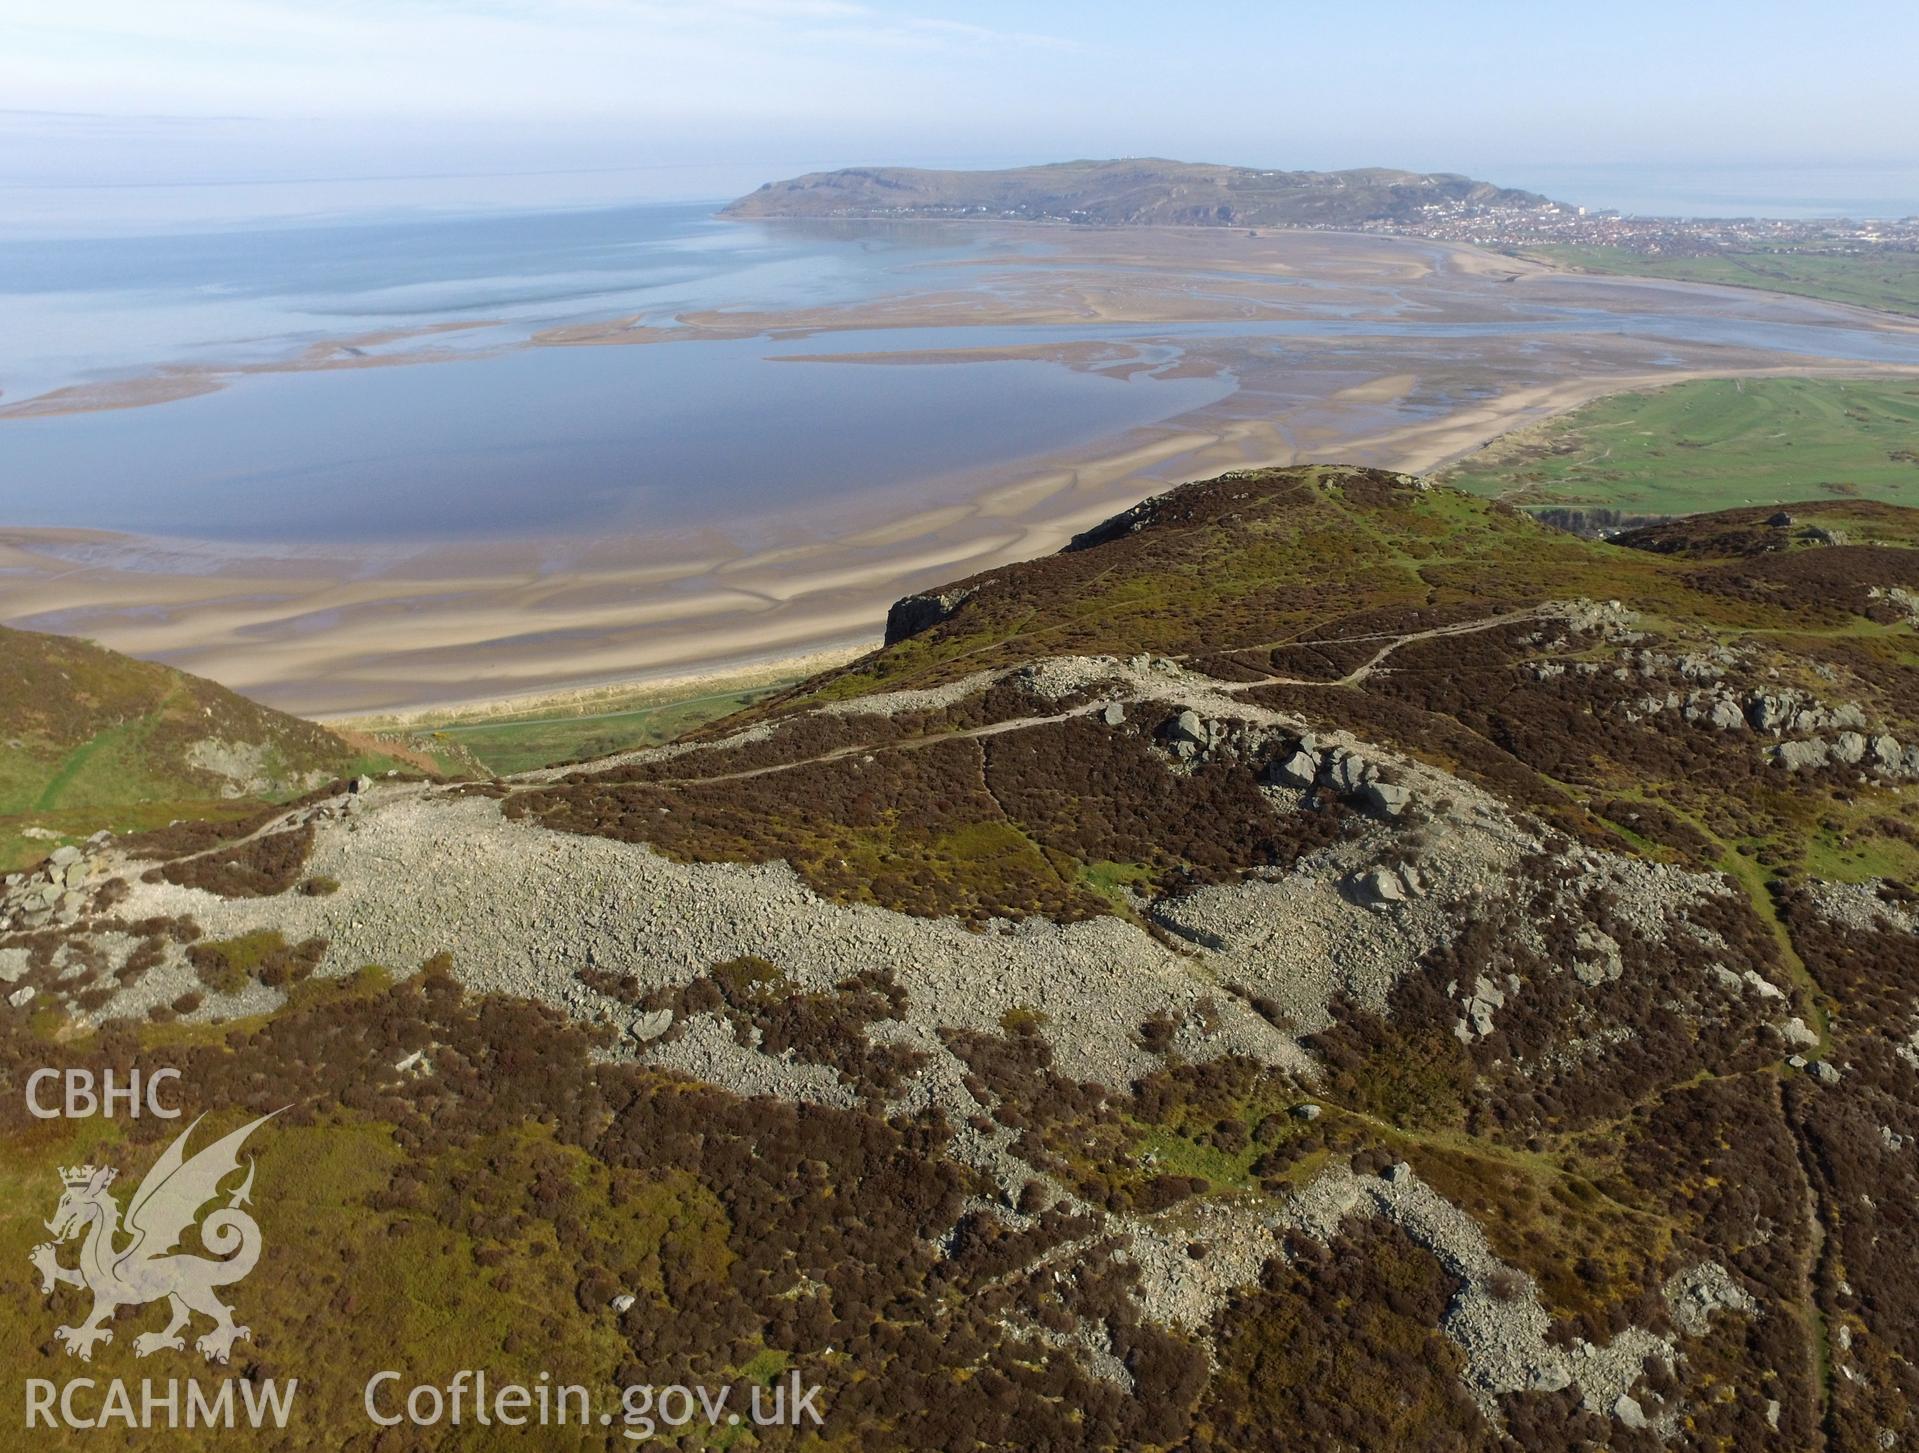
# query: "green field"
(1885, 280)
(542, 739)
(1713, 445)
(90, 739)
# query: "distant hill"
(1136, 192)
(90, 738)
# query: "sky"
(705, 98)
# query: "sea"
(497, 440)
(1863, 191)
(494, 439)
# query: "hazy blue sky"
(705, 97)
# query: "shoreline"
(510, 625)
(488, 639)
(620, 697)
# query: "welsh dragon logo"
(137, 1262)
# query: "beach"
(1294, 331)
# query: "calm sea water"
(567, 441)
(554, 440)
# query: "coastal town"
(1500, 224)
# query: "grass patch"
(1113, 881)
(1888, 281)
(597, 725)
(1710, 445)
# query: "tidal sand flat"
(708, 445)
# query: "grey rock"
(1628, 1411)
(360, 784)
(64, 856)
(1726, 715)
(651, 1026)
(912, 614)
(1351, 772)
(21, 997)
(1307, 1111)
(1299, 770)
(1114, 714)
(1798, 1034)
(1382, 885)
(1549, 1378)
(623, 1303)
(1824, 1071)
(1799, 756)
(1850, 748)
(1187, 727)
(1885, 750)
(1386, 798)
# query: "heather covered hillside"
(1323, 951)
(94, 739)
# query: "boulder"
(1299, 770)
(1549, 1378)
(1382, 885)
(651, 1026)
(1850, 749)
(1386, 798)
(622, 1304)
(1726, 715)
(1307, 1111)
(1885, 750)
(1187, 727)
(1627, 1408)
(21, 997)
(1114, 714)
(1800, 756)
(1349, 772)
(359, 785)
(1798, 1034)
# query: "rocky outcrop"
(912, 614)
(54, 892)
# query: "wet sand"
(344, 631)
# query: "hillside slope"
(1133, 192)
(1324, 959)
(90, 738)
